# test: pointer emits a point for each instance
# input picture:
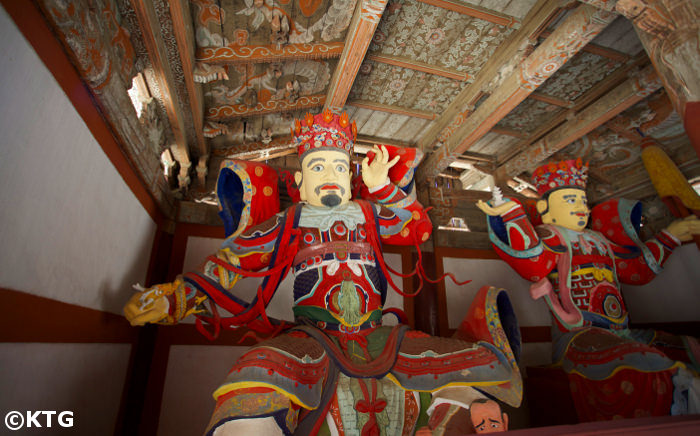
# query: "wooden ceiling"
(482, 87)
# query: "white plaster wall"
(492, 272)
(87, 379)
(194, 372)
(280, 306)
(70, 228)
(674, 295)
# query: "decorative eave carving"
(240, 54)
(271, 106)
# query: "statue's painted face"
(568, 208)
(325, 178)
(488, 418)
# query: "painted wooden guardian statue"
(613, 371)
(336, 369)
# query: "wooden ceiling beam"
(478, 157)
(550, 99)
(579, 28)
(253, 150)
(593, 94)
(508, 132)
(622, 97)
(397, 61)
(426, 115)
(226, 112)
(475, 11)
(184, 37)
(364, 23)
(371, 140)
(155, 45)
(506, 53)
(599, 50)
(251, 54)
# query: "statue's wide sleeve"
(251, 251)
(531, 252)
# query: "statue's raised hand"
(499, 210)
(685, 229)
(147, 305)
(376, 173)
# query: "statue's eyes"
(340, 169)
(317, 168)
(570, 200)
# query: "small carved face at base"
(487, 417)
(567, 207)
(324, 179)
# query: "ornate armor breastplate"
(337, 283)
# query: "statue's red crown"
(564, 174)
(324, 131)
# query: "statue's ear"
(541, 206)
(505, 421)
(297, 178)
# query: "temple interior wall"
(71, 231)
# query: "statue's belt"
(598, 273)
(325, 320)
(341, 250)
(378, 367)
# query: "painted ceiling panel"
(392, 85)
(578, 76)
(528, 116)
(250, 22)
(436, 36)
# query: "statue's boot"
(491, 321)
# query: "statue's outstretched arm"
(168, 303)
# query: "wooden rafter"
(458, 110)
(250, 54)
(180, 13)
(426, 115)
(622, 97)
(397, 61)
(364, 23)
(580, 27)
(475, 11)
(155, 45)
